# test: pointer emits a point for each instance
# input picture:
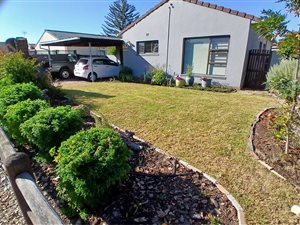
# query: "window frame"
(208, 54)
(152, 47)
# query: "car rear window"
(82, 61)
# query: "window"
(145, 47)
(82, 62)
(206, 55)
(98, 62)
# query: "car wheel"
(93, 77)
(65, 73)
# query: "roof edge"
(143, 16)
(196, 2)
(224, 9)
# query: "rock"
(140, 220)
(181, 219)
(197, 216)
(216, 204)
(296, 210)
(116, 213)
(78, 222)
(204, 201)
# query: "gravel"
(10, 212)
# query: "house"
(55, 35)
(176, 34)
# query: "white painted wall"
(188, 20)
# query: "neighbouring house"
(55, 35)
(214, 40)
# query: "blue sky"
(87, 16)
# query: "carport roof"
(84, 41)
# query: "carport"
(90, 42)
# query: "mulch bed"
(160, 190)
(272, 150)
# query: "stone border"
(252, 149)
(35, 208)
(234, 202)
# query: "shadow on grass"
(86, 94)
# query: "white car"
(102, 67)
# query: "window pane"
(217, 69)
(155, 46)
(148, 47)
(141, 47)
(196, 54)
(220, 43)
(218, 57)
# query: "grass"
(208, 130)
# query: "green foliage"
(292, 6)
(12, 94)
(45, 81)
(189, 71)
(49, 127)
(18, 114)
(281, 124)
(280, 80)
(158, 76)
(90, 163)
(214, 220)
(18, 68)
(83, 110)
(120, 15)
(112, 51)
(126, 74)
(288, 47)
(6, 81)
(272, 25)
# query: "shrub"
(288, 47)
(6, 81)
(158, 76)
(18, 114)
(12, 94)
(49, 127)
(90, 163)
(126, 74)
(280, 80)
(18, 68)
(45, 81)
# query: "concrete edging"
(34, 206)
(252, 149)
(236, 205)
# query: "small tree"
(272, 26)
(120, 15)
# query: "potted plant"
(189, 75)
(180, 82)
(206, 82)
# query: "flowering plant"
(179, 77)
(205, 78)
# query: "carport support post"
(91, 62)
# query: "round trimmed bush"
(13, 94)
(49, 127)
(20, 112)
(90, 163)
(158, 76)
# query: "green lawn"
(208, 130)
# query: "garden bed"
(159, 190)
(271, 150)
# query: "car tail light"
(86, 67)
